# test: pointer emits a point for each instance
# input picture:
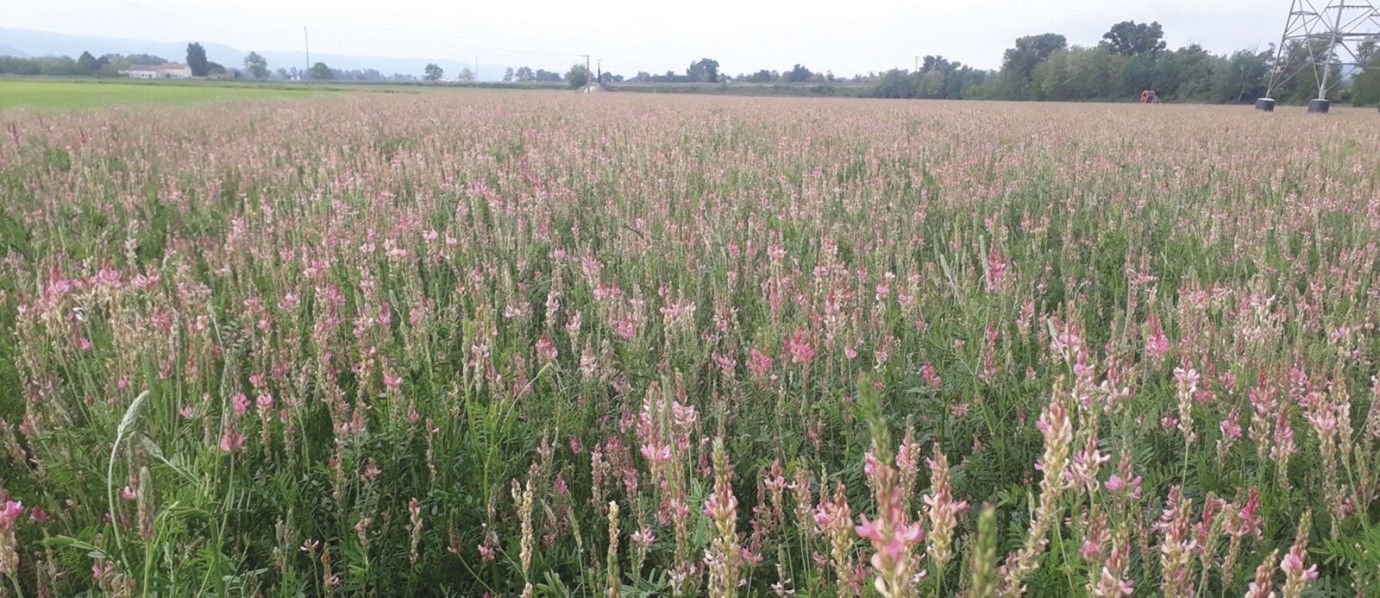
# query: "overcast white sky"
(848, 37)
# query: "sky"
(845, 37)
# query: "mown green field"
(68, 95)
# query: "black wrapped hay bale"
(1265, 105)
(1318, 106)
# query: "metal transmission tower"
(1322, 38)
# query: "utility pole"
(306, 46)
(476, 69)
(1331, 46)
(600, 77)
(917, 64)
(1315, 41)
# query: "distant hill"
(28, 42)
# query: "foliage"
(1129, 38)
(762, 76)
(705, 70)
(145, 59)
(196, 60)
(321, 72)
(434, 72)
(256, 65)
(938, 78)
(1018, 63)
(578, 76)
(797, 74)
(896, 83)
(87, 63)
(1130, 60)
(1366, 88)
(46, 65)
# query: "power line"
(505, 51)
(485, 49)
(444, 46)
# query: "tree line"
(1131, 57)
(255, 66)
(106, 65)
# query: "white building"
(167, 70)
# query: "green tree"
(1132, 74)
(88, 63)
(936, 63)
(145, 59)
(508, 75)
(1184, 74)
(434, 72)
(1049, 80)
(578, 76)
(1080, 74)
(321, 72)
(1300, 57)
(762, 76)
(798, 74)
(466, 76)
(705, 70)
(111, 65)
(896, 83)
(256, 65)
(1365, 90)
(524, 74)
(1241, 77)
(196, 59)
(932, 84)
(942, 78)
(1018, 63)
(1129, 38)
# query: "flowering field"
(553, 344)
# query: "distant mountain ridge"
(25, 43)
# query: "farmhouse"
(167, 70)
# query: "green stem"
(18, 591)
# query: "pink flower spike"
(869, 529)
(240, 403)
(391, 380)
(231, 441)
(12, 511)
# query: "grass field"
(69, 94)
(555, 344)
